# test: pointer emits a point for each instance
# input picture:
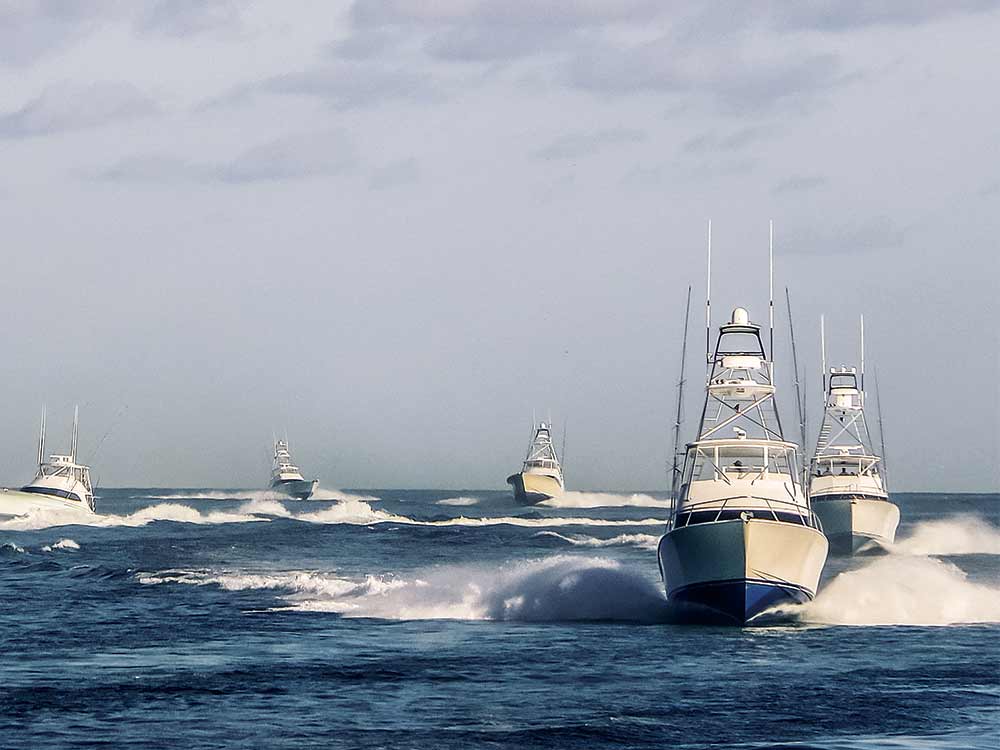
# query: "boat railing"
(720, 506)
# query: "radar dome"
(741, 317)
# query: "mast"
(822, 348)
(675, 472)
(562, 454)
(708, 303)
(76, 433)
(41, 440)
(862, 388)
(881, 434)
(770, 290)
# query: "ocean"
(440, 619)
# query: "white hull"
(857, 525)
(530, 488)
(734, 570)
(17, 503)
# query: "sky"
(395, 230)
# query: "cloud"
(345, 85)
(584, 144)
(67, 107)
(298, 156)
(833, 15)
(394, 174)
(708, 142)
(865, 236)
(800, 184)
(179, 18)
(31, 29)
(734, 79)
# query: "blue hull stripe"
(737, 601)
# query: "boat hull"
(531, 489)
(300, 489)
(857, 525)
(17, 503)
(732, 571)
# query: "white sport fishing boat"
(286, 477)
(61, 481)
(541, 477)
(741, 536)
(847, 479)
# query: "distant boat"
(541, 477)
(286, 477)
(847, 480)
(61, 481)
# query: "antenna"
(881, 431)
(41, 439)
(822, 348)
(770, 286)
(76, 433)
(562, 463)
(675, 472)
(708, 300)
(799, 399)
(862, 359)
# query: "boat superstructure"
(847, 484)
(286, 477)
(541, 476)
(741, 536)
(61, 482)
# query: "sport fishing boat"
(286, 477)
(61, 481)
(847, 483)
(741, 537)
(541, 477)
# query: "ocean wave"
(553, 589)
(958, 535)
(902, 591)
(459, 501)
(604, 500)
(646, 541)
(48, 518)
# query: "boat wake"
(645, 541)
(350, 510)
(960, 535)
(603, 500)
(553, 589)
(901, 591)
(320, 494)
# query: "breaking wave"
(61, 544)
(553, 589)
(604, 500)
(646, 541)
(961, 535)
(903, 591)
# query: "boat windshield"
(728, 462)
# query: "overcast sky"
(396, 228)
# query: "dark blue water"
(226, 619)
